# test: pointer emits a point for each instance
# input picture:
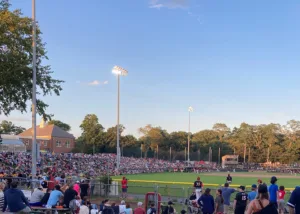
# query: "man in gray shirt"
(226, 193)
(36, 197)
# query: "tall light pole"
(190, 110)
(117, 70)
(34, 148)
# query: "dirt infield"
(251, 175)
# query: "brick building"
(50, 138)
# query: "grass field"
(246, 179)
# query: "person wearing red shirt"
(124, 187)
(139, 209)
(281, 203)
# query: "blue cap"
(254, 186)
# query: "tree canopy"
(259, 143)
(16, 64)
(62, 125)
(7, 127)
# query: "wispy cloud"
(171, 4)
(93, 83)
(97, 82)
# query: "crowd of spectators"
(81, 164)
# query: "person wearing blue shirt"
(294, 202)
(54, 197)
(226, 193)
(273, 191)
(253, 193)
(207, 203)
(15, 200)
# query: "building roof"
(11, 140)
(47, 131)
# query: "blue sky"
(233, 61)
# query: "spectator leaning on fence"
(15, 200)
(226, 193)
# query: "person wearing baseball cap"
(240, 201)
(253, 193)
(273, 191)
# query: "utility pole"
(245, 153)
(219, 155)
(34, 147)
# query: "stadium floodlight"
(190, 109)
(119, 71)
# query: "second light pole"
(190, 110)
(117, 70)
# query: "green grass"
(206, 178)
(176, 191)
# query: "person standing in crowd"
(76, 187)
(294, 202)
(226, 193)
(229, 179)
(128, 210)
(273, 191)
(15, 200)
(54, 197)
(70, 194)
(83, 189)
(139, 209)
(219, 202)
(261, 204)
(240, 201)
(169, 209)
(198, 185)
(124, 187)
(152, 209)
(115, 208)
(37, 197)
(281, 203)
(122, 207)
(253, 193)
(206, 202)
(2, 185)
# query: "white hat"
(77, 182)
(139, 204)
(122, 202)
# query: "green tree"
(152, 137)
(7, 127)
(62, 125)
(128, 141)
(178, 141)
(16, 64)
(92, 130)
(222, 130)
(110, 136)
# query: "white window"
(45, 143)
(58, 143)
(68, 144)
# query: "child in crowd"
(281, 203)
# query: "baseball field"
(213, 179)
